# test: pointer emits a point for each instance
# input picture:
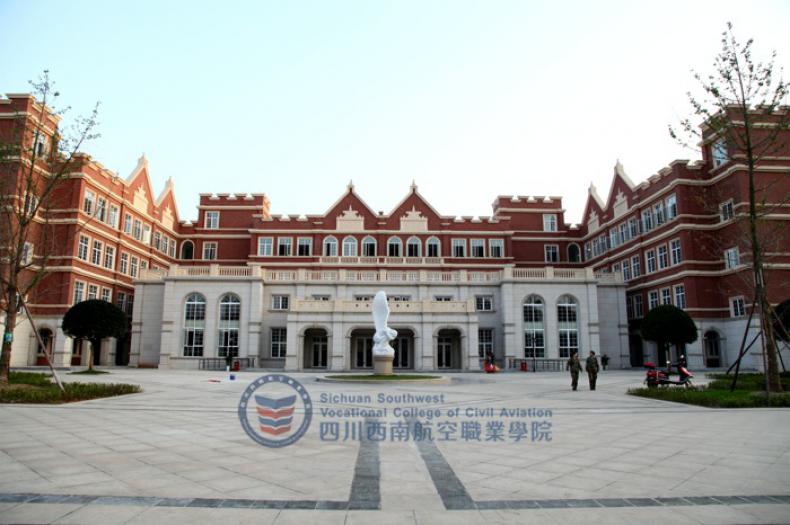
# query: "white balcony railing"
(383, 275)
(396, 307)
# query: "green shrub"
(715, 398)
(29, 378)
(51, 394)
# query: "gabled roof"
(141, 170)
(619, 173)
(350, 192)
(417, 195)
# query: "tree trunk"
(5, 358)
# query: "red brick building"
(293, 291)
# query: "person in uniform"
(592, 369)
(575, 367)
(604, 361)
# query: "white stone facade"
(327, 319)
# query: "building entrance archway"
(316, 348)
(448, 349)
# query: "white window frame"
(113, 215)
(265, 246)
(96, 252)
(89, 202)
(680, 296)
(458, 243)
(350, 246)
(675, 252)
(279, 344)
(653, 299)
(662, 255)
(27, 253)
(671, 207)
(330, 246)
(477, 243)
(211, 220)
(368, 241)
(547, 248)
(549, 222)
(726, 210)
(82, 247)
(732, 258)
(210, 251)
(395, 241)
(650, 256)
(109, 257)
(124, 267)
(283, 242)
(433, 241)
(718, 153)
(484, 303)
(494, 246)
(666, 296)
(304, 241)
(734, 308)
(106, 295)
(79, 292)
(410, 242)
(281, 302)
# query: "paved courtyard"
(177, 453)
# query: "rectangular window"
(106, 295)
(731, 258)
(79, 290)
(624, 234)
(82, 248)
(363, 298)
(93, 291)
(129, 308)
(127, 224)
(650, 261)
(98, 246)
(626, 270)
(321, 297)
(146, 234)
(718, 151)
(265, 246)
(27, 253)
(680, 296)
(672, 207)
(209, 251)
(304, 247)
(551, 253)
(549, 222)
(484, 303)
(211, 221)
(485, 341)
(120, 300)
(663, 257)
(124, 263)
(496, 248)
(112, 217)
(647, 221)
(101, 209)
(652, 299)
(726, 211)
(459, 247)
(284, 246)
(666, 296)
(636, 266)
(442, 298)
(109, 257)
(89, 202)
(638, 306)
(633, 227)
(280, 302)
(738, 307)
(137, 232)
(158, 241)
(279, 337)
(660, 217)
(133, 267)
(613, 239)
(399, 298)
(676, 253)
(477, 247)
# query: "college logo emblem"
(275, 410)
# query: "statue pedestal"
(382, 364)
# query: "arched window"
(568, 325)
(187, 250)
(711, 343)
(574, 254)
(433, 248)
(330, 247)
(394, 247)
(229, 316)
(194, 324)
(368, 247)
(349, 247)
(413, 247)
(534, 334)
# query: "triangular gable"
(348, 203)
(593, 207)
(167, 206)
(142, 193)
(621, 182)
(411, 205)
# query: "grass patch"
(382, 377)
(89, 372)
(27, 387)
(749, 393)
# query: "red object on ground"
(236, 365)
(524, 367)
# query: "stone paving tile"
(37, 513)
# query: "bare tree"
(35, 161)
(742, 113)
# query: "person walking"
(575, 367)
(592, 369)
(604, 361)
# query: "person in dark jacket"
(592, 369)
(604, 361)
(575, 367)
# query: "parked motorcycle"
(655, 377)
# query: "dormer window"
(718, 152)
(549, 222)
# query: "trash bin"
(236, 365)
(523, 366)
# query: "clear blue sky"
(294, 99)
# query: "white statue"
(384, 334)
